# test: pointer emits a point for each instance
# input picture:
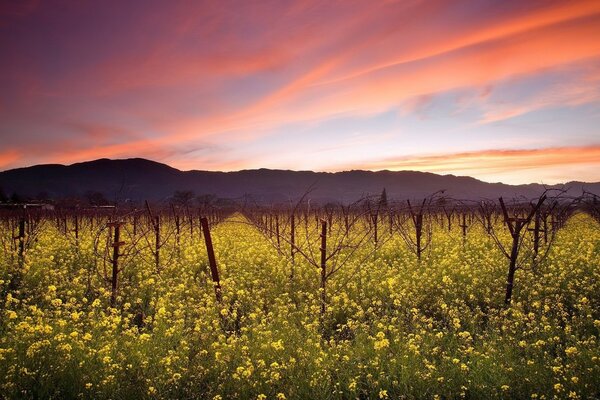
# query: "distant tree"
(3, 197)
(383, 200)
(182, 198)
(222, 203)
(16, 198)
(206, 200)
(95, 198)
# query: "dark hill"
(138, 179)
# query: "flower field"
(394, 326)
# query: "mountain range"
(138, 179)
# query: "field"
(384, 325)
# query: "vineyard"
(372, 300)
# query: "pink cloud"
(202, 72)
(486, 162)
(8, 158)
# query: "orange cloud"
(9, 157)
(491, 30)
(494, 164)
(139, 148)
(527, 50)
(197, 72)
(355, 67)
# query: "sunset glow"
(501, 91)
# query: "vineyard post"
(191, 225)
(536, 234)
(211, 258)
(21, 239)
(419, 233)
(545, 228)
(177, 228)
(464, 227)
(117, 243)
(323, 266)
(292, 237)
(155, 221)
(488, 222)
(346, 222)
(200, 223)
(277, 233)
(375, 220)
(418, 223)
(135, 224)
(32, 223)
(157, 241)
(449, 213)
(292, 244)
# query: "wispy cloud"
(559, 95)
(485, 163)
(154, 80)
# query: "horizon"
(295, 170)
(503, 93)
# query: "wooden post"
(76, 229)
(323, 266)
(417, 218)
(346, 223)
(177, 229)
(211, 258)
(419, 233)
(277, 233)
(292, 237)
(155, 221)
(375, 220)
(545, 223)
(21, 239)
(115, 261)
(157, 242)
(292, 244)
(200, 223)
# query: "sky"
(504, 91)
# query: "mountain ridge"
(140, 179)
